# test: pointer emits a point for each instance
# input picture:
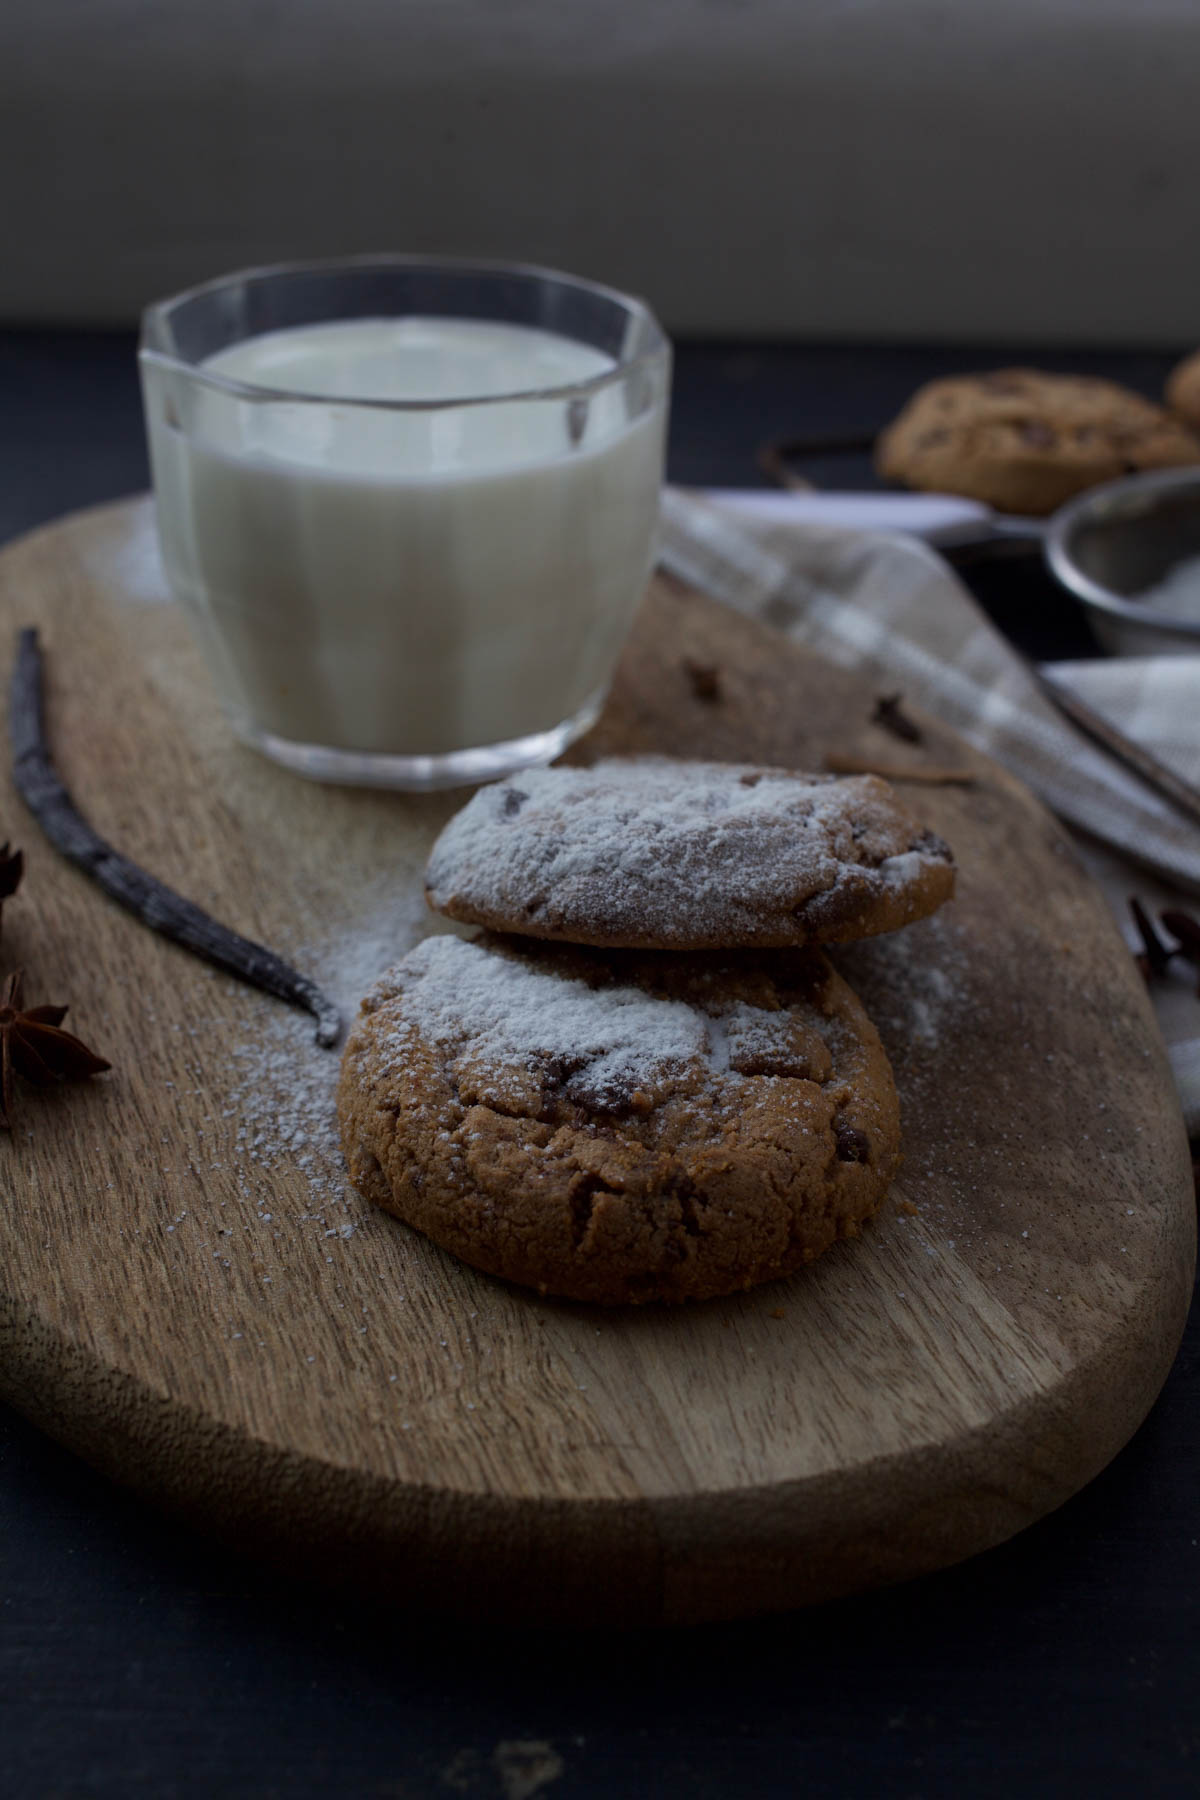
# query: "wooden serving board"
(192, 1298)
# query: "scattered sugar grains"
(914, 983)
(282, 1095)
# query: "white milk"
(413, 582)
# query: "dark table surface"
(138, 1659)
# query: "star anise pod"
(33, 1044)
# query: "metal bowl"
(1117, 542)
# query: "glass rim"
(158, 310)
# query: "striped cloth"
(892, 609)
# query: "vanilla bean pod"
(156, 905)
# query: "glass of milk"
(409, 505)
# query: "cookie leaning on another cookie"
(618, 1127)
(1024, 441)
(651, 853)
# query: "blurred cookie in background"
(1183, 390)
(1025, 441)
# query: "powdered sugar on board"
(915, 985)
(282, 1093)
(654, 851)
(931, 997)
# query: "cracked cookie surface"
(619, 1127)
(657, 854)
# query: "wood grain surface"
(192, 1298)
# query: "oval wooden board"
(192, 1298)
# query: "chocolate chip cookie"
(1024, 441)
(619, 1127)
(1183, 390)
(652, 853)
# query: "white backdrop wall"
(951, 169)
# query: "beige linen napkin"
(892, 608)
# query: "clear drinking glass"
(409, 505)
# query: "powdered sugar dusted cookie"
(619, 1127)
(652, 853)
